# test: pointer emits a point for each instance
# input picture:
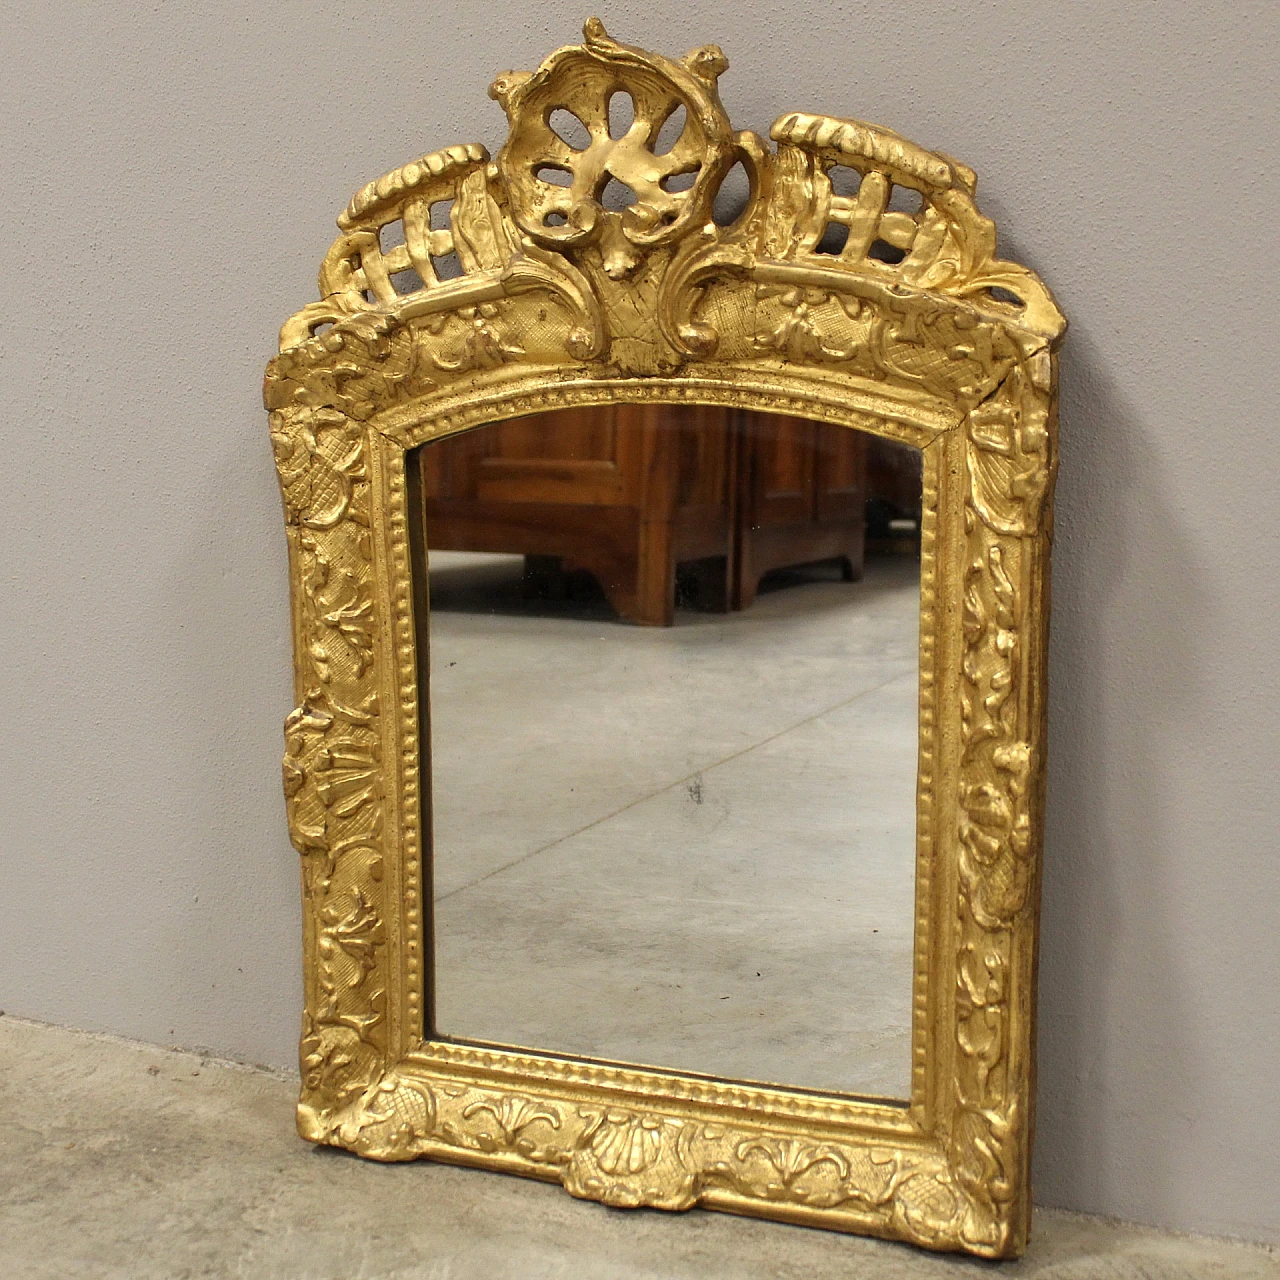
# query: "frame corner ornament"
(914, 329)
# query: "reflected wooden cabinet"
(638, 494)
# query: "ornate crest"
(593, 259)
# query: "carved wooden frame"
(560, 301)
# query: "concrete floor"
(126, 1160)
(690, 846)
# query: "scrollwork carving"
(320, 456)
(569, 215)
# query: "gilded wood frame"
(561, 301)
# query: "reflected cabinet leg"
(643, 590)
(801, 499)
(853, 561)
(652, 598)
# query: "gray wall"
(171, 175)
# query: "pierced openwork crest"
(466, 289)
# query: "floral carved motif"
(903, 323)
(798, 336)
(482, 345)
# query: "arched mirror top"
(594, 247)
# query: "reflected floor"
(613, 875)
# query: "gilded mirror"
(668, 517)
(702, 850)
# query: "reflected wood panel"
(635, 494)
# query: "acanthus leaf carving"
(332, 783)
(997, 765)
(511, 1116)
(341, 604)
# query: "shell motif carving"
(627, 1160)
(568, 215)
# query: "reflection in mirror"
(673, 718)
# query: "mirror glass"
(673, 678)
